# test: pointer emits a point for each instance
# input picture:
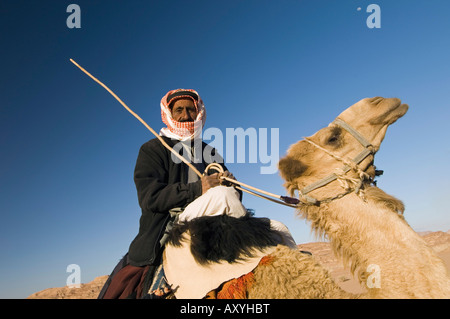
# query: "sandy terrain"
(440, 241)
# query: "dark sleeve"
(151, 176)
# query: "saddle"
(190, 280)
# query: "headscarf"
(182, 131)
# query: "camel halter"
(283, 200)
(348, 183)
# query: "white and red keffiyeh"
(182, 131)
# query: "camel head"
(325, 152)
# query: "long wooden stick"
(138, 117)
(279, 198)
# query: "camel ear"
(291, 168)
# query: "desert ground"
(439, 241)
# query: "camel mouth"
(392, 114)
(403, 107)
(398, 112)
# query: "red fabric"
(237, 288)
(128, 280)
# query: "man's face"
(183, 110)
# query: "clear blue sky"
(69, 149)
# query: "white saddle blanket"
(191, 280)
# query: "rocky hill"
(440, 241)
(85, 291)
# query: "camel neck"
(370, 237)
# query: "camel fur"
(365, 226)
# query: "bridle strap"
(368, 150)
(361, 139)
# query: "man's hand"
(209, 181)
(214, 180)
(228, 175)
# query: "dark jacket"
(161, 185)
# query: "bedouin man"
(164, 183)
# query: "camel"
(365, 226)
(332, 174)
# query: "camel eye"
(334, 137)
(332, 140)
